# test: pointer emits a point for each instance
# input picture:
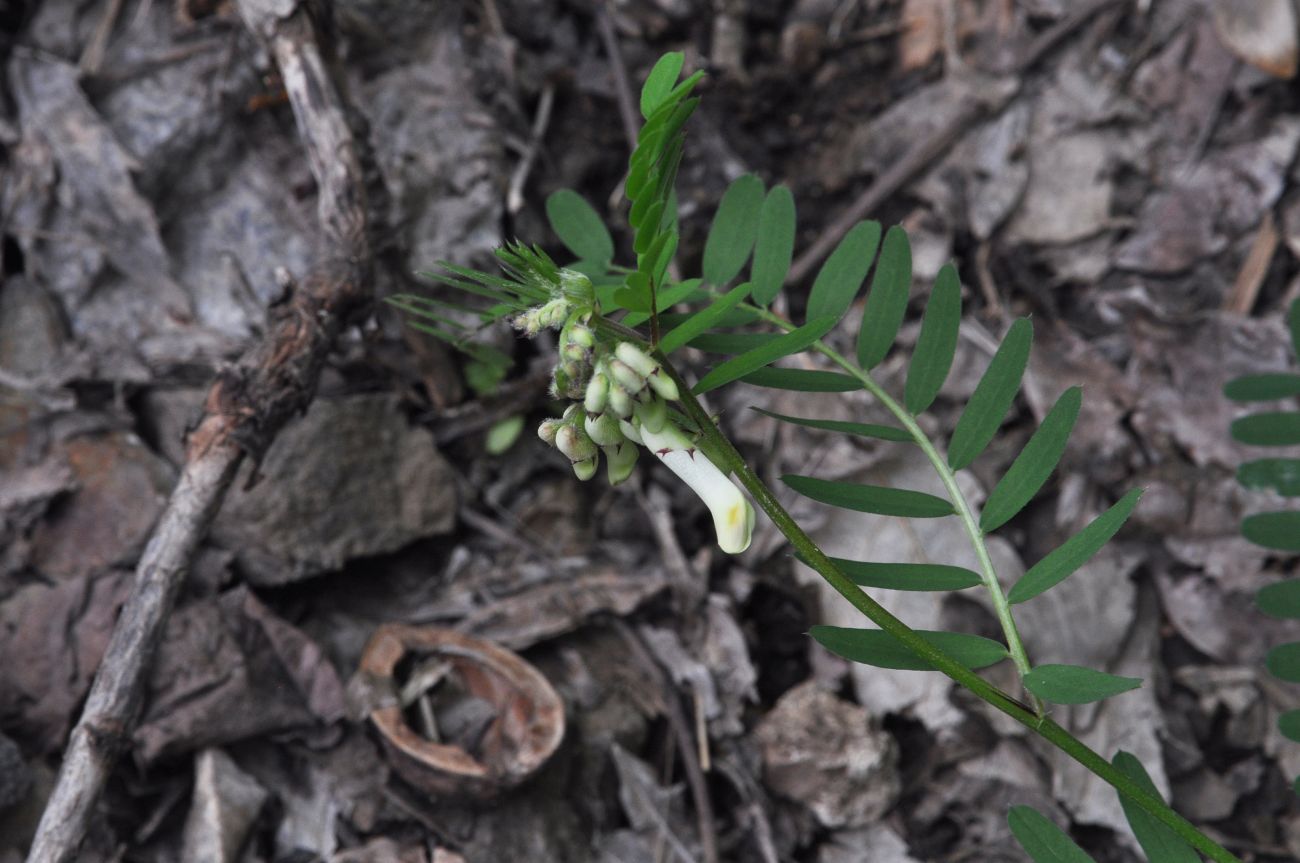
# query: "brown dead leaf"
(121, 488)
(830, 755)
(1261, 32)
(922, 34)
(52, 638)
(229, 668)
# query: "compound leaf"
(937, 343)
(731, 236)
(878, 648)
(791, 343)
(882, 314)
(992, 397)
(870, 498)
(872, 430)
(774, 247)
(1042, 840)
(1161, 844)
(839, 279)
(1062, 561)
(1074, 684)
(1034, 464)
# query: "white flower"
(733, 517)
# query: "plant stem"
(1028, 716)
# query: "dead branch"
(246, 406)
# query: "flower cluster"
(621, 396)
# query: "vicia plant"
(625, 392)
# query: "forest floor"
(1122, 176)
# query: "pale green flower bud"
(574, 352)
(580, 334)
(733, 517)
(619, 461)
(664, 386)
(603, 430)
(585, 469)
(620, 402)
(626, 376)
(638, 359)
(577, 286)
(597, 395)
(574, 443)
(652, 414)
(547, 430)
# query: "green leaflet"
(839, 279)
(802, 380)
(907, 576)
(731, 236)
(659, 83)
(1281, 599)
(1042, 840)
(992, 397)
(579, 226)
(731, 343)
(1279, 530)
(937, 343)
(1269, 429)
(1289, 724)
(1034, 464)
(1061, 562)
(876, 499)
(1161, 844)
(1074, 684)
(1281, 475)
(791, 343)
(878, 648)
(1262, 387)
(731, 318)
(697, 323)
(886, 304)
(666, 299)
(1283, 662)
(872, 430)
(774, 247)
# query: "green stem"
(1042, 725)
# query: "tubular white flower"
(733, 517)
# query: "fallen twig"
(682, 732)
(245, 408)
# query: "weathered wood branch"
(246, 406)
